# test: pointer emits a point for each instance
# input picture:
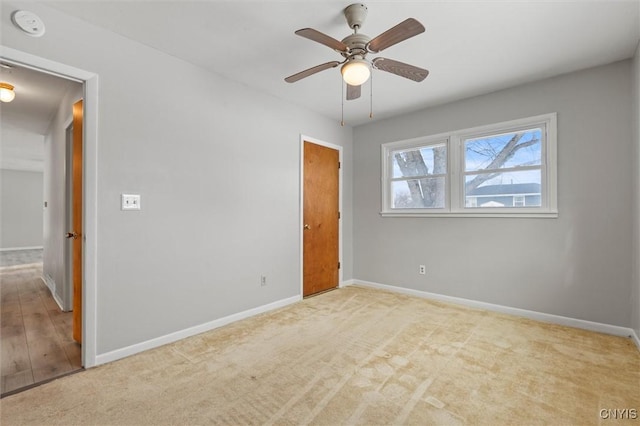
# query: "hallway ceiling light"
(6, 92)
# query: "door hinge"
(338, 265)
(339, 164)
(338, 215)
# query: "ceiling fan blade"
(404, 30)
(306, 73)
(353, 92)
(321, 38)
(399, 68)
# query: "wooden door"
(321, 218)
(75, 234)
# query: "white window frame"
(454, 180)
(387, 172)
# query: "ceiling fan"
(356, 68)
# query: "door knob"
(73, 235)
(306, 226)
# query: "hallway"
(36, 335)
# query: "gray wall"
(21, 216)
(635, 284)
(217, 167)
(20, 149)
(577, 265)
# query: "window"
(503, 169)
(418, 176)
(519, 201)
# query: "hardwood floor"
(36, 342)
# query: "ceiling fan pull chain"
(371, 96)
(342, 100)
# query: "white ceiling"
(469, 47)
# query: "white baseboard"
(19, 267)
(51, 284)
(192, 331)
(21, 248)
(635, 338)
(538, 316)
(347, 283)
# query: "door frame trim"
(89, 81)
(304, 139)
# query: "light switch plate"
(130, 202)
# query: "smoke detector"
(28, 22)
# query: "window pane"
(516, 149)
(505, 169)
(418, 193)
(511, 189)
(422, 161)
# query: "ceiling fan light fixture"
(6, 92)
(355, 72)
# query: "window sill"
(511, 214)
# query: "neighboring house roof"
(492, 204)
(509, 189)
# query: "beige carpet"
(353, 356)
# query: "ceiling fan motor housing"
(357, 44)
(355, 14)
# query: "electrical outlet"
(263, 280)
(422, 270)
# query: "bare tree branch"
(505, 154)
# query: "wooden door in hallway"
(321, 218)
(75, 234)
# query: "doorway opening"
(54, 268)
